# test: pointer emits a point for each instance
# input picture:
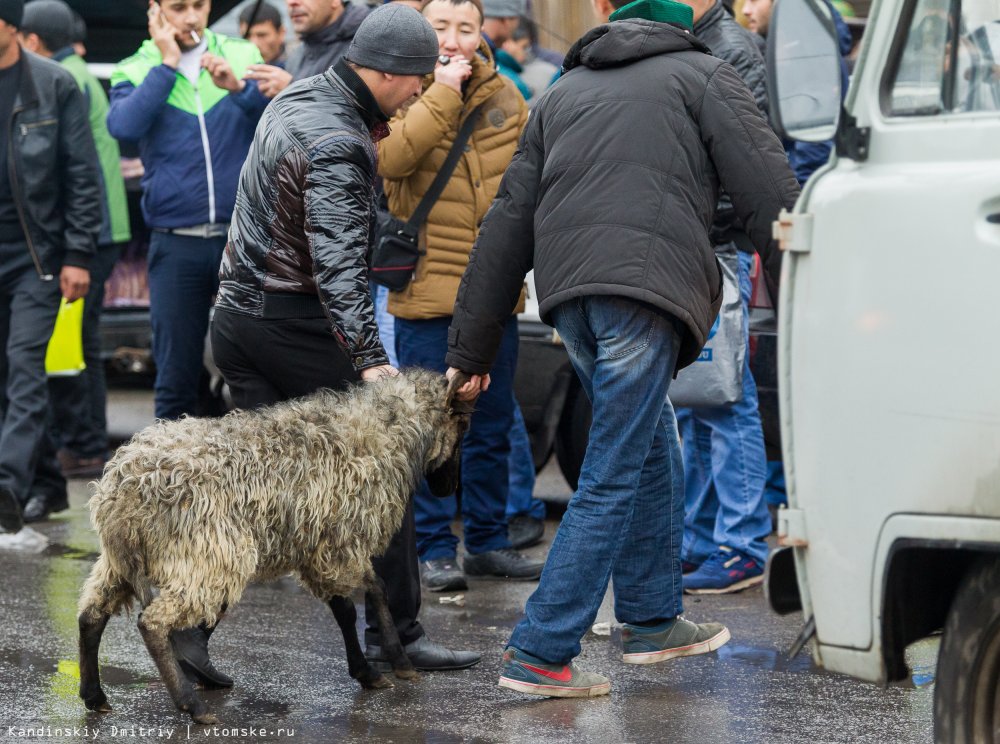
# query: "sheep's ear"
(457, 405)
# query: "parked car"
(886, 360)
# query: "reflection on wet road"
(283, 648)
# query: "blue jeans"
(183, 280)
(485, 449)
(626, 519)
(725, 467)
(520, 499)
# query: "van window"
(946, 66)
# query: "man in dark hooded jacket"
(325, 29)
(610, 199)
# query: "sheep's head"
(443, 470)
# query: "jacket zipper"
(12, 174)
(208, 157)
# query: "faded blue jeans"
(725, 467)
(626, 520)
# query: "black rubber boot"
(10, 512)
(191, 649)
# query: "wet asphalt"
(283, 648)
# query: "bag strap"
(412, 225)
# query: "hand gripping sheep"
(189, 512)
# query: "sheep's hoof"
(98, 703)
(206, 719)
(410, 674)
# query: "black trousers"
(269, 360)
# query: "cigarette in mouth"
(194, 35)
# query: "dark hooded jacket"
(320, 51)
(305, 212)
(614, 185)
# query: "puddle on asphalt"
(56, 550)
(765, 658)
(110, 675)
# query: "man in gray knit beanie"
(311, 178)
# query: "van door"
(890, 322)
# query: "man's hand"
(470, 391)
(74, 282)
(453, 74)
(164, 35)
(371, 374)
(222, 73)
(271, 80)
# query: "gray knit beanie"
(397, 39)
(503, 8)
(11, 10)
(52, 20)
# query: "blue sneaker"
(523, 672)
(674, 638)
(723, 572)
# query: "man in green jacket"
(79, 403)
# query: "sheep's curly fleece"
(197, 508)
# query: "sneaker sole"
(458, 583)
(739, 586)
(717, 641)
(555, 690)
(496, 577)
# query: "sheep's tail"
(113, 514)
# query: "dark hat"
(397, 39)
(503, 8)
(11, 11)
(52, 20)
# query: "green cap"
(661, 11)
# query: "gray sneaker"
(674, 638)
(442, 575)
(505, 563)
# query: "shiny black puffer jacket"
(53, 167)
(305, 211)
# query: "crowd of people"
(271, 168)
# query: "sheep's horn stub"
(457, 405)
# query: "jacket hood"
(624, 42)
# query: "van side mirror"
(803, 70)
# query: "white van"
(889, 348)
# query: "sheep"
(190, 511)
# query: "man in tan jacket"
(409, 159)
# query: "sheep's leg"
(155, 623)
(358, 666)
(103, 594)
(402, 667)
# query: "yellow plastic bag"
(64, 356)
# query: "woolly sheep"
(189, 512)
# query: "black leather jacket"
(53, 167)
(305, 211)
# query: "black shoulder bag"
(394, 258)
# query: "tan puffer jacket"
(411, 156)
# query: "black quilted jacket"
(614, 186)
(305, 210)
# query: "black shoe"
(524, 531)
(41, 505)
(442, 575)
(191, 649)
(10, 512)
(426, 656)
(505, 563)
